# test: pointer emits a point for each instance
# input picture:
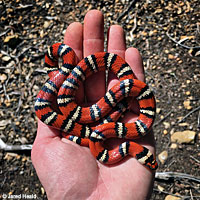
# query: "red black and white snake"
(76, 122)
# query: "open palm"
(69, 171)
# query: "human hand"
(69, 171)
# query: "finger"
(93, 32)
(45, 131)
(134, 59)
(116, 41)
(117, 45)
(74, 38)
(94, 42)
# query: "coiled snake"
(76, 122)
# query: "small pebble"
(165, 132)
(4, 122)
(8, 38)
(9, 156)
(187, 93)
(186, 136)
(17, 123)
(186, 104)
(166, 124)
(173, 146)
(24, 159)
(3, 78)
(46, 24)
(42, 191)
(158, 110)
(170, 56)
(163, 156)
(6, 58)
(171, 197)
(21, 172)
(160, 188)
(183, 124)
(23, 140)
(166, 51)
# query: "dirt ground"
(167, 33)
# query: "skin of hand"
(69, 171)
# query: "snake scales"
(77, 123)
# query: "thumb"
(45, 132)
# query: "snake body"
(77, 123)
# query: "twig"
(21, 52)
(2, 34)
(5, 67)
(127, 10)
(198, 29)
(161, 120)
(39, 70)
(169, 193)
(50, 17)
(168, 175)
(19, 104)
(59, 2)
(4, 89)
(21, 6)
(3, 182)
(134, 26)
(198, 121)
(179, 43)
(5, 53)
(194, 159)
(7, 147)
(191, 195)
(6, 83)
(196, 109)
(149, 74)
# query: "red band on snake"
(75, 121)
